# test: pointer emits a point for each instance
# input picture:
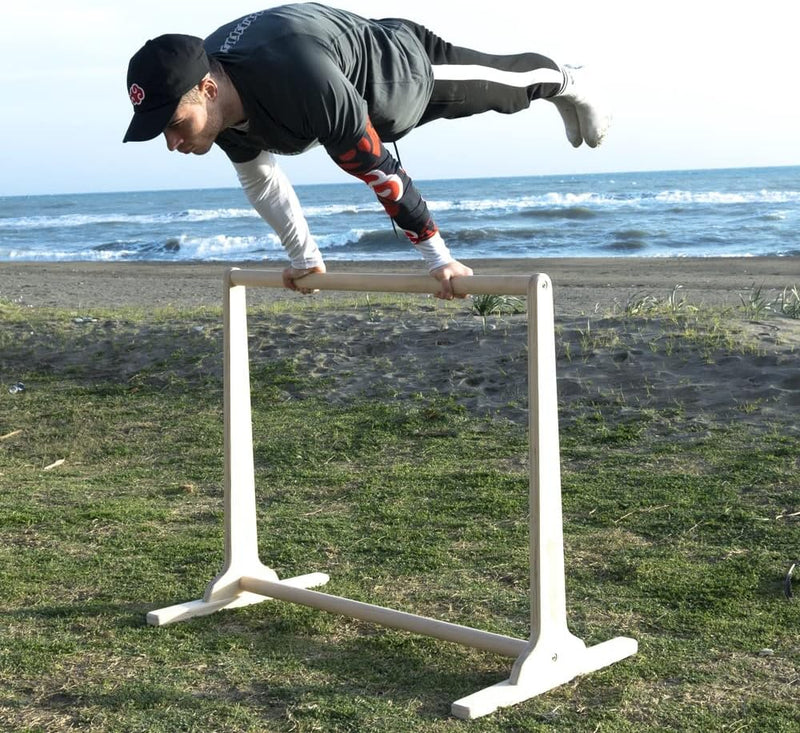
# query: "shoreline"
(580, 284)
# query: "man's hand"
(445, 274)
(291, 274)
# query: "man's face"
(194, 126)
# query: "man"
(285, 79)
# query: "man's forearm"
(369, 160)
(273, 197)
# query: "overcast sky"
(695, 84)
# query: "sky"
(692, 84)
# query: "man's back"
(307, 72)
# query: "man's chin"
(197, 150)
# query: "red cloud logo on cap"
(136, 94)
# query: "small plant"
(677, 303)
(591, 340)
(748, 407)
(755, 305)
(788, 302)
(586, 337)
(496, 305)
(650, 305)
(640, 305)
(373, 315)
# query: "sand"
(579, 283)
(718, 365)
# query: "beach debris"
(54, 464)
(787, 583)
(84, 319)
(766, 652)
(17, 387)
(10, 435)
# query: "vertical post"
(551, 642)
(241, 532)
(548, 594)
(553, 655)
(240, 522)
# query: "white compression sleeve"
(273, 197)
(434, 251)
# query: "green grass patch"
(678, 539)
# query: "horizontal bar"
(505, 645)
(387, 282)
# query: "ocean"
(699, 213)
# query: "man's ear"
(208, 87)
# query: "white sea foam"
(592, 199)
(718, 197)
(221, 246)
(63, 221)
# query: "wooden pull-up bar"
(551, 655)
(386, 283)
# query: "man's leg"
(468, 82)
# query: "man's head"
(159, 75)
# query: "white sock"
(584, 120)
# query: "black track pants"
(468, 82)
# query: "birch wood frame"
(551, 655)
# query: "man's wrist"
(306, 263)
(434, 251)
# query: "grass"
(754, 304)
(678, 536)
(788, 302)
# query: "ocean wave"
(326, 210)
(185, 216)
(173, 244)
(215, 248)
(64, 221)
(626, 245)
(546, 205)
(357, 241)
(630, 234)
(488, 235)
(721, 197)
(524, 202)
(222, 247)
(569, 212)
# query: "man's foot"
(584, 121)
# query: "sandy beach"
(580, 284)
(705, 358)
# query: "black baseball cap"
(159, 74)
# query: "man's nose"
(172, 138)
